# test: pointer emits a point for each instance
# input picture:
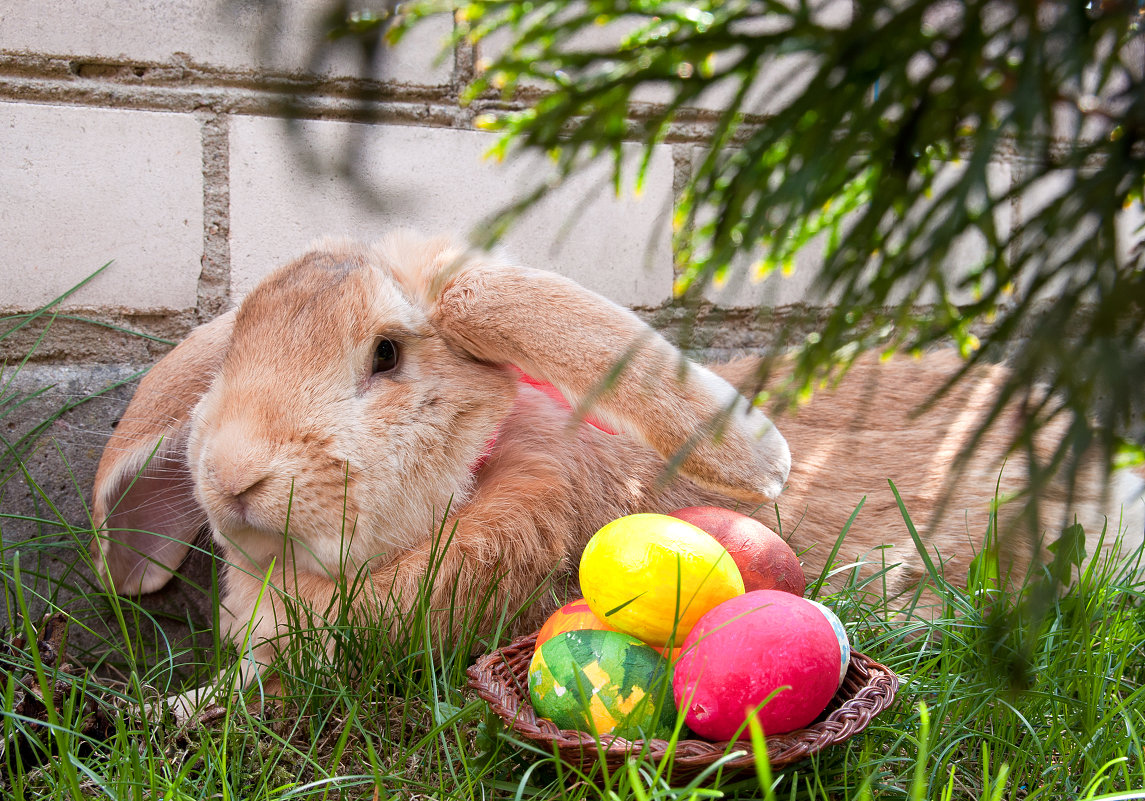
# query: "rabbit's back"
(876, 427)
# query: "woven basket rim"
(500, 678)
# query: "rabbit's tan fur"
(850, 441)
(273, 411)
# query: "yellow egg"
(653, 576)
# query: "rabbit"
(363, 393)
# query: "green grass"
(1034, 692)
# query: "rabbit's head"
(340, 415)
(347, 404)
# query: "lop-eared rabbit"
(324, 428)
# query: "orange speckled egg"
(573, 616)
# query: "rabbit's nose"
(238, 479)
(241, 487)
(235, 495)
(233, 467)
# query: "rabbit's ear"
(143, 503)
(601, 355)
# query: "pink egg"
(763, 646)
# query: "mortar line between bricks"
(422, 112)
(213, 291)
(425, 106)
(142, 75)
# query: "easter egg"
(577, 616)
(840, 637)
(573, 616)
(767, 652)
(764, 560)
(603, 682)
(653, 576)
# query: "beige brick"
(85, 186)
(216, 33)
(777, 82)
(1058, 186)
(742, 288)
(799, 287)
(438, 181)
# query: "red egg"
(764, 560)
(766, 650)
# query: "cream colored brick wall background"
(151, 135)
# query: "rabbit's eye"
(385, 356)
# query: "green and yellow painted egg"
(603, 682)
(653, 576)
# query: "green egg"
(603, 682)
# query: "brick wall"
(151, 135)
(159, 146)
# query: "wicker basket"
(501, 678)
